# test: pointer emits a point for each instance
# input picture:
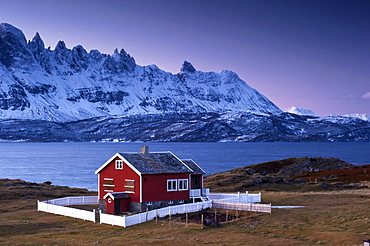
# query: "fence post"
(201, 222)
(186, 220)
(124, 221)
(100, 216)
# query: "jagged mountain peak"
(71, 84)
(187, 67)
(60, 46)
(37, 44)
(10, 33)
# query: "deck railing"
(253, 207)
(235, 197)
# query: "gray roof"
(155, 163)
(118, 195)
(196, 169)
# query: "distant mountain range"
(74, 95)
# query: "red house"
(140, 181)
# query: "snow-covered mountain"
(73, 84)
(300, 111)
(359, 116)
(74, 95)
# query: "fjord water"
(74, 164)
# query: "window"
(170, 202)
(172, 185)
(119, 164)
(149, 203)
(181, 201)
(129, 186)
(108, 185)
(183, 184)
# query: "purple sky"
(313, 54)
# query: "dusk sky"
(311, 54)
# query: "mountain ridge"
(74, 95)
(71, 84)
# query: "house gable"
(113, 158)
(125, 179)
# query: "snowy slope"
(359, 116)
(300, 111)
(72, 84)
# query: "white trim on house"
(98, 184)
(183, 184)
(141, 188)
(108, 187)
(119, 164)
(195, 164)
(112, 158)
(129, 186)
(190, 170)
(171, 184)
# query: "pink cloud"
(366, 95)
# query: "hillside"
(328, 218)
(292, 174)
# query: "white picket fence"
(56, 206)
(235, 197)
(74, 200)
(254, 207)
(150, 215)
(217, 200)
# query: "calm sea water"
(74, 164)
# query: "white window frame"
(181, 201)
(183, 184)
(119, 164)
(170, 202)
(130, 186)
(108, 187)
(149, 203)
(171, 184)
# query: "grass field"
(328, 218)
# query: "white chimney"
(144, 150)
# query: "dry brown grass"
(328, 218)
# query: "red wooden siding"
(109, 205)
(119, 176)
(155, 187)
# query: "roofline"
(110, 194)
(195, 164)
(191, 170)
(137, 171)
(112, 158)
